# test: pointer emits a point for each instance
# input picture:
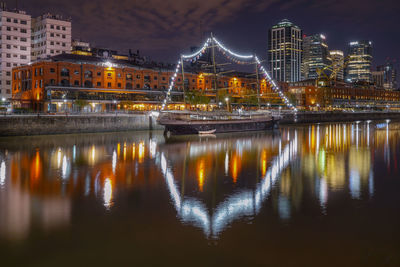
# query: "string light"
(200, 52)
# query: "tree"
(195, 97)
(81, 103)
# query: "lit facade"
(51, 35)
(360, 62)
(337, 59)
(315, 55)
(285, 51)
(15, 34)
(56, 83)
(310, 96)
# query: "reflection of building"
(51, 35)
(285, 51)
(360, 62)
(315, 55)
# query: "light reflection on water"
(212, 182)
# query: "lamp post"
(227, 104)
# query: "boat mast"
(183, 82)
(258, 85)
(215, 69)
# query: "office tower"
(389, 75)
(337, 59)
(315, 55)
(285, 51)
(15, 34)
(377, 78)
(360, 61)
(51, 35)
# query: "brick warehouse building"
(55, 84)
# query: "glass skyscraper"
(389, 75)
(285, 51)
(337, 58)
(360, 61)
(315, 55)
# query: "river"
(304, 195)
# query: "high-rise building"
(389, 75)
(337, 59)
(285, 48)
(15, 34)
(51, 35)
(315, 55)
(377, 78)
(360, 61)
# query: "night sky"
(162, 29)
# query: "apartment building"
(51, 35)
(15, 45)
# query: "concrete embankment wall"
(337, 117)
(14, 125)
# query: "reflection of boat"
(210, 132)
(179, 123)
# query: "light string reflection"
(245, 203)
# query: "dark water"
(310, 195)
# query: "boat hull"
(196, 127)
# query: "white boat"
(207, 132)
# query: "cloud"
(158, 24)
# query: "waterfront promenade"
(34, 124)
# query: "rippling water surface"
(309, 195)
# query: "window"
(52, 70)
(15, 21)
(109, 74)
(8, 37)
(138, 76)
(51, 43)
(63, 28)
(98, 73)
(8, 20)
(9, 29)
(8, 73)
(108, 85)
(8, 46)
(51, 26)
(88, 84)
(8, 82)
(23, 39)
(65, 72)
(98, 83)
(119, 85)
(58, 27)
(51, 34)
(163, 78)
(76, 83)
(23, 22)
(23, 48)
(129, 77)
(63, 36)
(138, 86)
(64, 82)
(76, 72)
(146, 78)
(52, 82)
(155, 78)
(128, 86)
(88, 74)
(119, 75)
(23, 30)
